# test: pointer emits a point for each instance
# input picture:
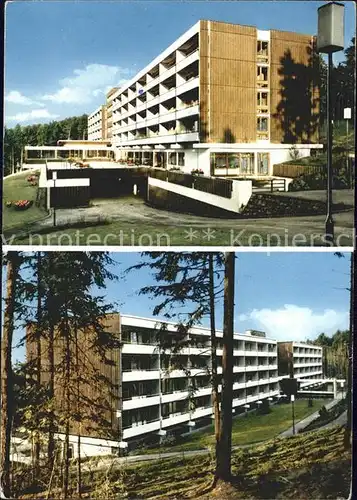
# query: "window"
(263, 169)
(262, 127)
(262, 51)
(262, 102)
(181, 159)
(262, 76)
(172, 158)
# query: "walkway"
(306, 421)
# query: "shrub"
(23, 204)
(197, 171)
(323, 412)
(294, 152)
(9, 204)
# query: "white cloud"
(85, 84)
(31, 115)
(15, 97)
(292, 322)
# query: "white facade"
(155, 397)
(95, 124)
(307, 361)
(155, 118)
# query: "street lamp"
(54, 177)
(347, 116)
(292, 399)
(329, 40)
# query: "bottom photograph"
(168, 375)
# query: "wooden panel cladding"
(227, 82)
(293, 88)
(285, 361)
(230, 73)
(90, 362)
(233, 127)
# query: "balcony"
(141, 429)
(191, 84)
(139, 349)
(185, 111)
(189, 59)
(175, 418)
(137, 375)
(140, 402)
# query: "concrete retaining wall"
(183, 197)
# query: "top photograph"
(165, 124)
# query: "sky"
(62, 57)
(289, 295)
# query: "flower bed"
(22, 204)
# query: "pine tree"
(7, 401)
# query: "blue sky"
(61, 57)
(289, 295)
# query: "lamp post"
(54, 177)
(347, 116)
(330, 39)
(292, 399)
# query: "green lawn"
(249, 429)
(17, 188)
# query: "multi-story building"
(300, 360)
(224, 98)
(108, 128)
(97, 124)
(152, 397)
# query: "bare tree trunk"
(38, 360)
(6, 370)
(51, 368)
(79, 465)
(348, 428)
(223, 469)
(67, 383)
(215, 394)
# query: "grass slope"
(249, 429)
(307, 466)
(17, 188)
(310, 465)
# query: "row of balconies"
(179, 418)
(311, 362)
(154, 374)
(302, 352)
(161, 115)
(154, 100)
(155, 399)
(163, 74)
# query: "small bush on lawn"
(23, 204)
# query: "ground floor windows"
(263, 163)
(243, 163)
(163, 159)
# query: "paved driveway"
(133, 210)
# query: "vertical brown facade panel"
(91, 361)
(294, 93)
(227, 82)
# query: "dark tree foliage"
(15, 139)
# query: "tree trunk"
(348, 428)
(223, 468)
(79, 416)
(68, 408)
(215, 394)
(38, 360)
(6, 371)
(51, 368)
